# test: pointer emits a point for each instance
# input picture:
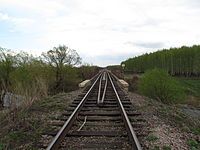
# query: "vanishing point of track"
(102, 117)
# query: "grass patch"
(196, 131)
(51, 103)
(193, 144)
(152, 138)
(192, 87)
(18, 136)
(1, 146)
(166, 147)
(155, 148)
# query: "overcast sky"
(102, 31)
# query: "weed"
(193, 144)
(196, 131)
(166, 147)
(152, 138)
(155, 148)
(1, 146)
(18, 136)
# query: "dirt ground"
(170, 126)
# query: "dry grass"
(23, 128)
(31, 93)
(193, 101)
(16, 123)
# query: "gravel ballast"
(165, 131)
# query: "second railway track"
(100, 118)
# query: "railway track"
(102, 117)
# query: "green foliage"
(17, 136)
(163, 148)
(60, 58)
(166, 148)
(35, 77)
(192, 87)
(114, 67)
(87, 71)
(183, 61)
(158, 85)
(155, 148)
(1, 146)
(194, 145)
(152, 138)
(70, 80)
(196, 131)
(7, 61)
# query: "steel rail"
(65, 128)
(99, 91)
(100, 99)
(105, 88)
(104, 76)
(132, 136)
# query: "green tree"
(59, 57)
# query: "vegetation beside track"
(158, 85)
(36, 77)
(192, 90)
(23, 129)
(190, 86)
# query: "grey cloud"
(134, 26)
(146, 44)
(192, 3)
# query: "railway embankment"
(170, 126)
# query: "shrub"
(70, 81)
(133, 83)
(159, 85)
(87, 71)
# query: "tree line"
(183, 61)
(54, 71)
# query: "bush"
(133, 83)
(159, 85)
(70, 80)
(87, 71)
